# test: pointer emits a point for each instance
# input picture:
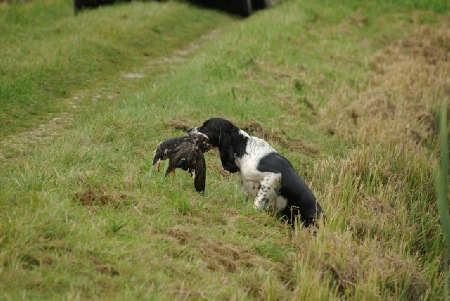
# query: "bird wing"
(179, 148)
(165, 149)
(181, 151)
(200, 172)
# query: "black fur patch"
(293, 188)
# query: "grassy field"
(349, 92)
(49, 55)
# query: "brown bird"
(185, 153)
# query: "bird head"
(202, 141)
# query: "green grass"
(441, 185)
(49, 54)
(346, 93)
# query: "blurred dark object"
(79, 5)
(242, 8)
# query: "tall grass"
(441, 184)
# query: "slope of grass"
(348, 94)
(48, 54)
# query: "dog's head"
(221, 133)
(217, 130)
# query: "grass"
(347, 93)
(51, 55)
(441, 180)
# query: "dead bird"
(186, 153)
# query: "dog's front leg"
(268, 192)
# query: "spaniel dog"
(266, 176)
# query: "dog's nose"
(189, 130)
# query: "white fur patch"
(263, 187)
(250, 188)
(268, 193)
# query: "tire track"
(78, 104)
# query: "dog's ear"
(227, 153)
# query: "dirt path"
(78, 104)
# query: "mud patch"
(221, 256)
(180, 124)
(181, 235)
(99, 197)
(217, 255)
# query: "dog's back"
(293, 188)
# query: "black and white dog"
(266, 176)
